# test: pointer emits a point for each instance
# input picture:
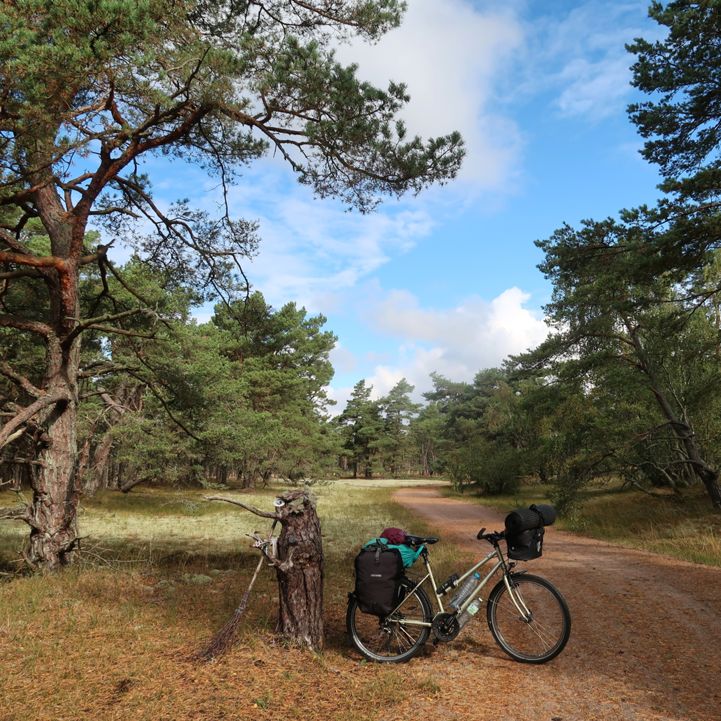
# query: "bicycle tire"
(384, 640)
(542, 637)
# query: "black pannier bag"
(524, 531)
(378, 571)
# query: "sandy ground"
(645, 642)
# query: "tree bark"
(98, 474)
(56, 488)
(300, 571)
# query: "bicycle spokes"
(528, 618)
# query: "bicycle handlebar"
(493, 537)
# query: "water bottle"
(469, 613)
(466, 590)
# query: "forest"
(108, 381)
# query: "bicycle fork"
(526, 615)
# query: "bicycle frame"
(500, 564)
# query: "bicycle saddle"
(419, 540)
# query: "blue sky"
(447, 281)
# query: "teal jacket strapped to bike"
(409, 555)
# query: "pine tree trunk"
(300, 571)
(56, 488)
(99, 475)
(683, 432)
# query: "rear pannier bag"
(524, 531)
(378, 571)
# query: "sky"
(447, 281)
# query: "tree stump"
(298, 561)
(299, 569)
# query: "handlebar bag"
(526, 545)
(524, 531)
(378, 571)
(525, 519)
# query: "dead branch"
(19, 513)
(32, 326)
(94, 370)
(15, 274)
(108, 318)
(121, 331)
(225, 638)
(252, 509)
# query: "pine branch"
(10, 431)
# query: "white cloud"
(340, 395)
(313, 252)
(342, 359)
(583, 59)
(594, 89)
(451, 56)
(455, 342)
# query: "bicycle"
(527, 615)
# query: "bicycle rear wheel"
(390, 640)
(535, 626)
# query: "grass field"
(686, 528)
(160, 572)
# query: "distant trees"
(360, 429)
(396, 410)
(633, 359)
(634, 299)
(375, 434)
(627, 384)
(238, 399)
(89, 91)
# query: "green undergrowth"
(687, 527)
(174, 531)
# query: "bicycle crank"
(445, 627)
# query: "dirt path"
(645, 642)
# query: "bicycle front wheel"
(531, 623)
(396, 638)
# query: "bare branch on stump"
(252, 509)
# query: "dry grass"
(111, 638)
(687, 528)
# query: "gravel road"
(645, 643)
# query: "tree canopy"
(90, 91)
